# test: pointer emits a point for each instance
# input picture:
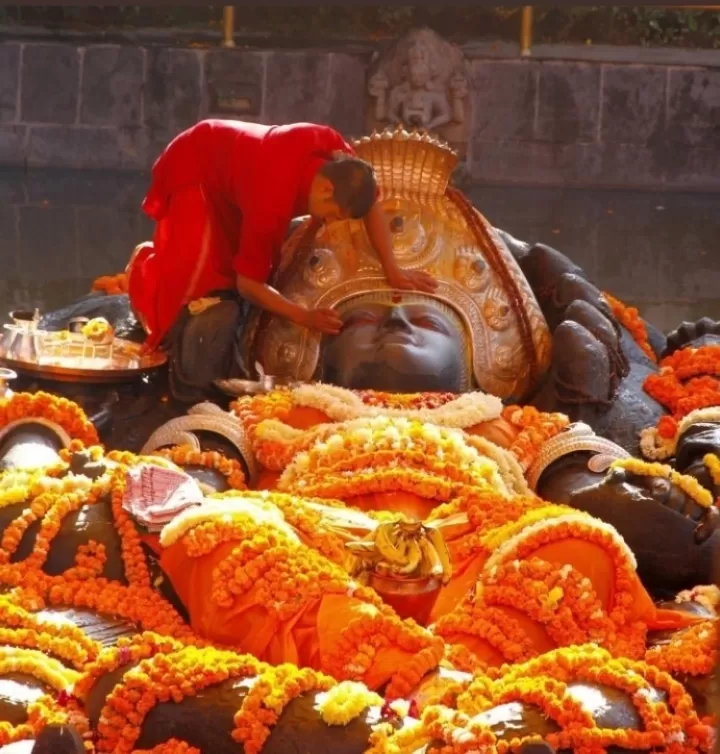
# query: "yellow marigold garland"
(231, 469)
(61, 411)
(543, 682)
(164, 677)
(65, 640)
(272, 691)
(712, 462)
(55, 707)
(345, 702)
(689, 485)
(382, 454)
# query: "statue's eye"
(429, 323)
(359, 319)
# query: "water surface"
(658, 251)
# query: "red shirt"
(256, 179)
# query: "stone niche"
(422, 82)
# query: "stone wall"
(541, 121)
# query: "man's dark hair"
(354, 184)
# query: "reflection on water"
(62, 229)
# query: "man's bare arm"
(378, 230)
(267, 298)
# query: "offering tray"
(237, 388)
(71, 358)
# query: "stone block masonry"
(547, 121)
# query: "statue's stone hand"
(378, 85)
(459, 86)
(702, 332)
(666, 529)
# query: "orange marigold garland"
(57, 707)
(688, 383)
(61, 411)
(692, 651)
(111, 284)
(671, 725)
(185, 455)
(629, 317)
(265, 702)
(162, 677)
(536, 428)
(173, 746)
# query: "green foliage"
(646, 25)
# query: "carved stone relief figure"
(421, 83)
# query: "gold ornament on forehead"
(434, 228)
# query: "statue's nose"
(396, 320)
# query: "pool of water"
(60, 230)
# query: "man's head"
(343, 188)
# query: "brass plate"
(126, 365)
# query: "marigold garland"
(536, 428)
(111, 284)
(41, 405)
(383, 453)
(689, 485)
(64, 640)
(346, 701)
(186, 455)
(629, 317)
(53, 708)
(164, 677)
(543, 682)
(173, 746)
(272, 691)
(97, 329)
(686, 383)
(81, 585)
(692, 651)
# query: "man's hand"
(413, 280)
(322, 320)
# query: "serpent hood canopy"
(434, 228)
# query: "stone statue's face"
(419, 66)
(403, 349)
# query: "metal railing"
(526, 24)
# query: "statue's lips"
(395, 339)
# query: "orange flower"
(536, 428)
(187, 456)
(629, 318)
(61, 411)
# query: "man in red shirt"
(223, 195)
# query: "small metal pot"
(410, 598)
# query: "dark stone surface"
(694, 108)
(87, 147)
(568, 102)
(9, 64)
(104, 237)
(347, 94)
(504, 100)
(234, 83)
(633, 104)
(629, 165)
(296, 87)
(694, 168)
(50, 83)
(535, 163)
(48, 257)
(172, 93)
(112, 86)
(12, 145)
